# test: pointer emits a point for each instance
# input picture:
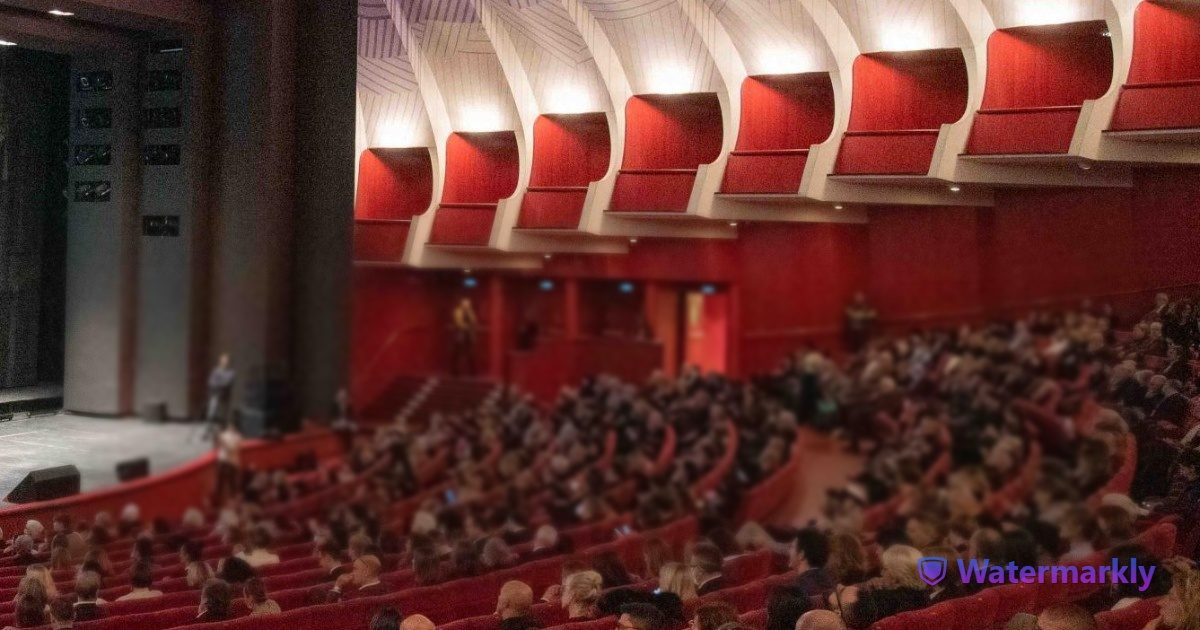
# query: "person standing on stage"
(228, 445)
(343, 418)
(220, 395)
(466, 326)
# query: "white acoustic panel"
(773, 36)
(391, 107)
(561, 72)
(897, 25)
(1010, 13)
(661, 52)
(469, 75)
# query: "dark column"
(326, 68)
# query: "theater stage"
(94, 445)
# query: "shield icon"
(932, 569)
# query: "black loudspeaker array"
(162, 132)
(93, 116)
(46, 484)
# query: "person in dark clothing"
(707, 561)
(875, 604)
(215, 602)
(785, 605)
(641, 617)
(809, 557)
(87, 590)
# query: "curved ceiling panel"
(468, 74)
(557, 61)
(660, 50)
(774, 36)
(393, 114)
(1010, 13)
(898, 25)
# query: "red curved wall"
(569, 152)
(481, 169)
(393, 183)
(782, 116)
(1164, 78)
(666, 138)
(1038, 77)
(900, 101)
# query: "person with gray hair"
(820, 620)
(87, 596)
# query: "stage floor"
(94, 445)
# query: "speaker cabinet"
(131, 469)
(46, 484)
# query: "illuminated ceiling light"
(60, 13)
(548, 256)
(671, 78)
(1106, 33)
(481, 118)
(733, 224)
(904, 37)
(1087, 166)
(1045, 12)
(955, 188)
(5, 42)
(839, 207)
(633, 241)
(569, 99)
(785, 61)
(467, 271)
(394, 135)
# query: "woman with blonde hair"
(898, 567)
(677, 579)
(581, 593)
(1180, 609)
(42, 573)
(31, 587)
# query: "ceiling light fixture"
(839, 207)
(955, 188)
(60, 13)
(5, 42)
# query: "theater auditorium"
(600, 314)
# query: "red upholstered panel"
(764, 172)
(480, 167)
(653, 191)
(569, 150)
(393, 183)
(886, 153)
(463, 224)
(380, 241)
(911, 90)
(672, 131)
(1145, 106)
(785, 112)
(782, 116)
(1040, 66)
(552, 208)
(1035, 130)
(908, 274)
(1166, 43)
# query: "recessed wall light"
(956, 188)
(60, 13)
(5, 42)
(633, 241)
(733, 224)
(839, 207)
(1087, 166)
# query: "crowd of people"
(945, 422)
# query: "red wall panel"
(785, 112)
(886, 153)
(552, 208)
(910, 90)
(764, 172)
(1040, 66)
(1146, 106)
(924, 262)
(1166, 43)
(380, 241)
(393, 183)
(463, 225)
(1010, 131)
(652, 191)
(480, 167)
(1040, 245)
(672, 131)
(569, 150)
